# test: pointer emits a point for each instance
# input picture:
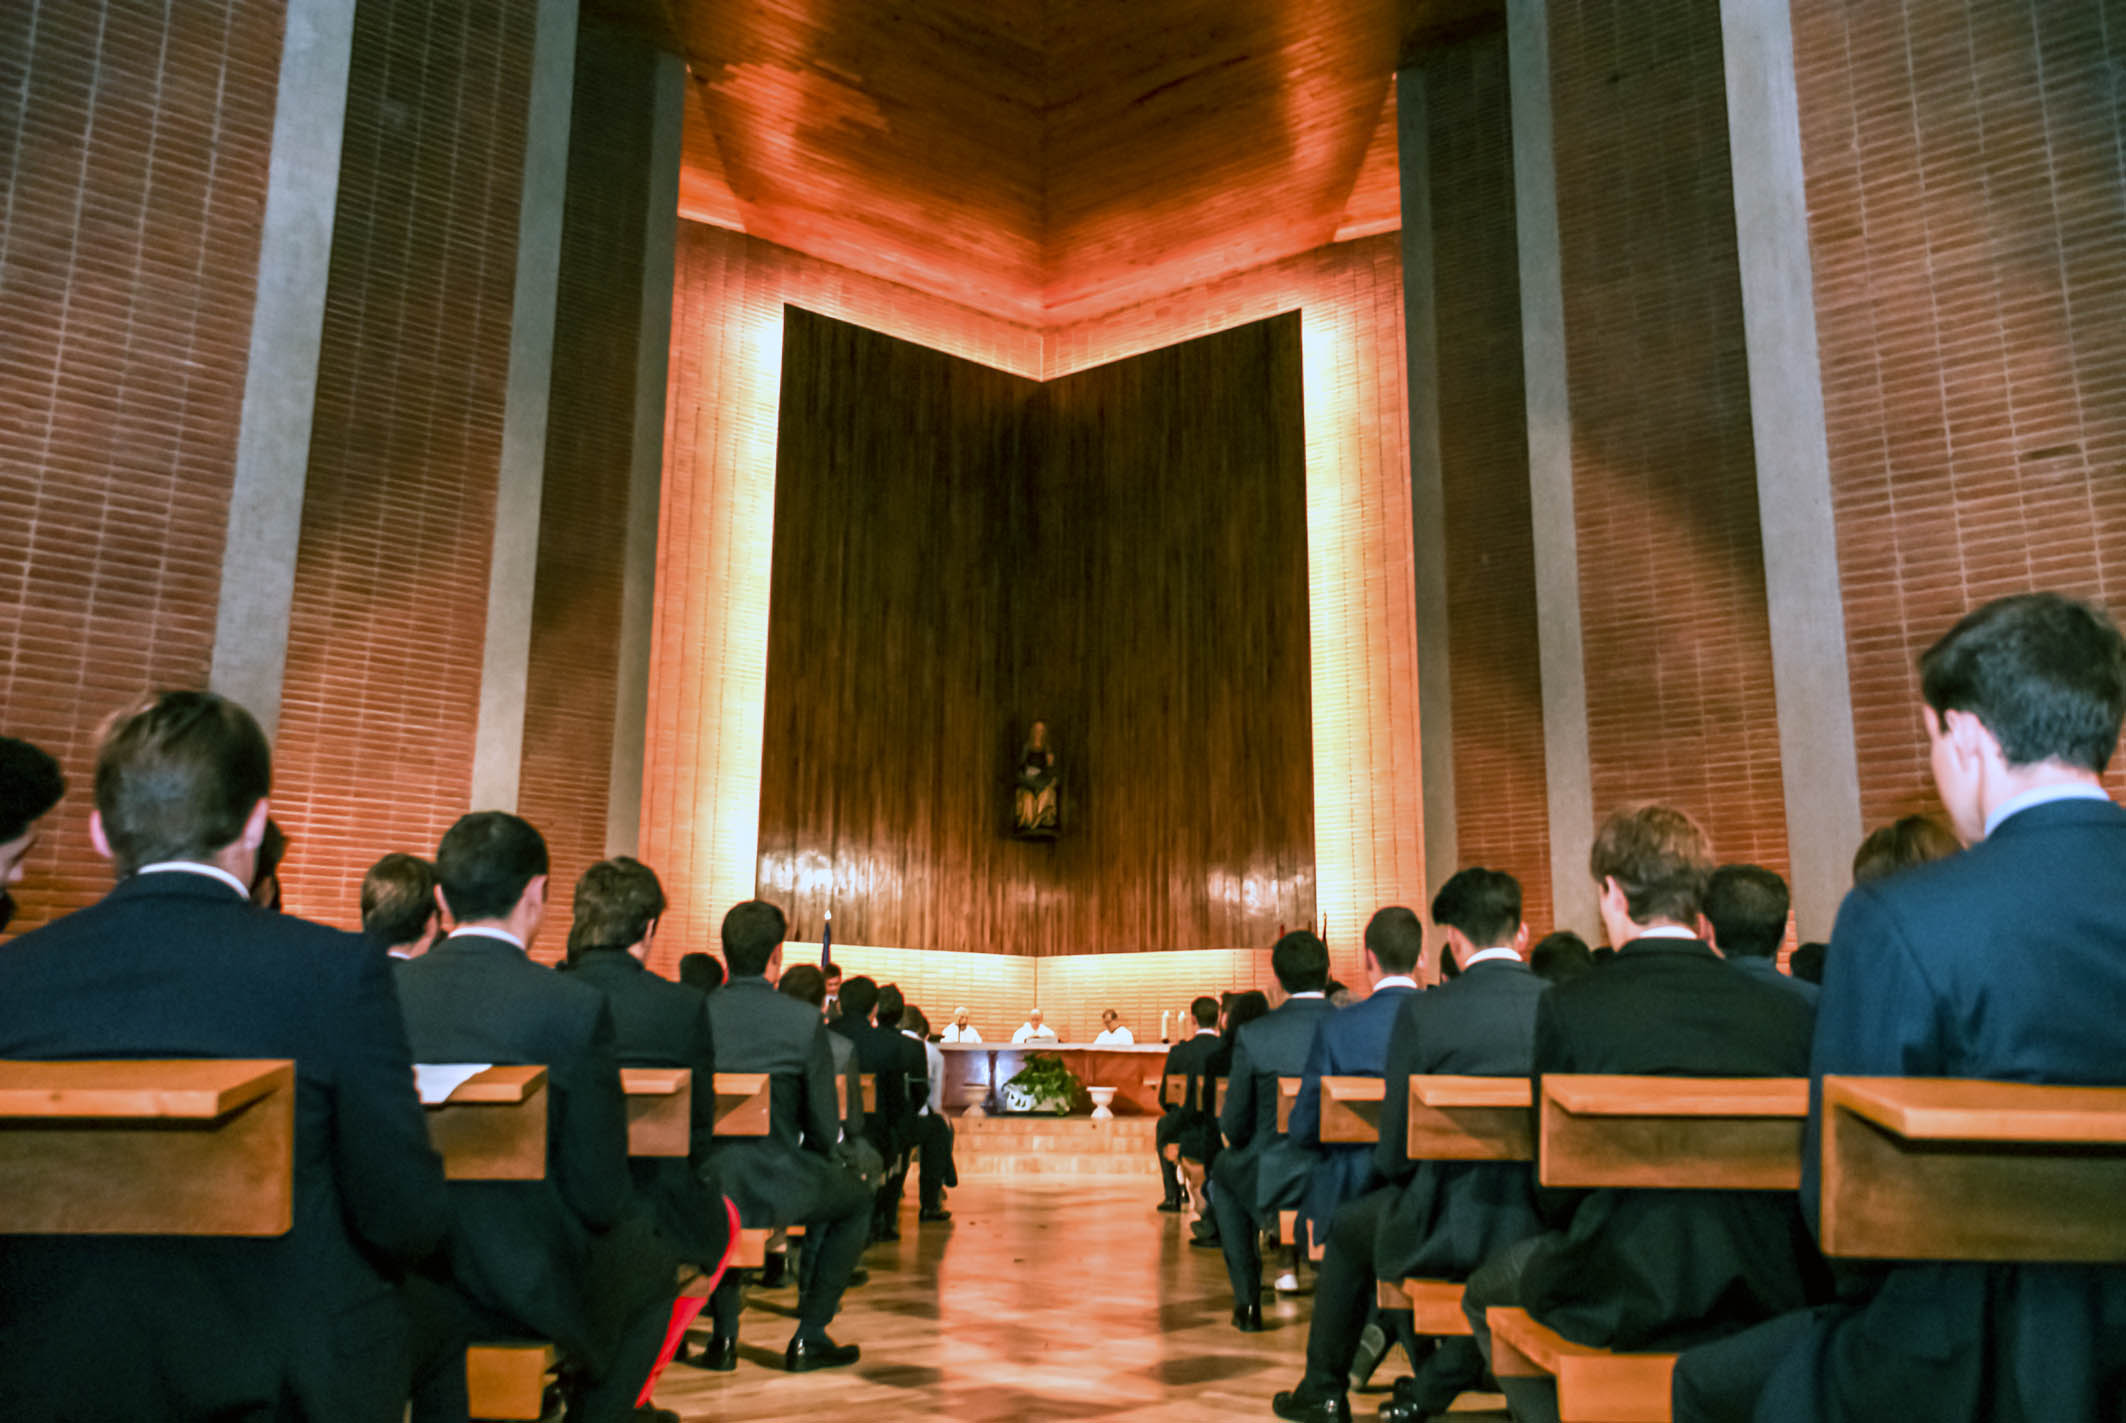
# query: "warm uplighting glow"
(708, 680)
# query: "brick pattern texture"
(1967, 223)
(1676, 634)
(387, 631)
(590, 443)
(134, 141)
(1502, 810)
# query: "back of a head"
(703, 971)
(617, 901)
(2045, 674)
(1485, 905)
(398, 898)
(858, 998)
(31, 783)
(1205, 1011)
(1301, 962)
(1396, 939)
(178, 776)
(485, 863)
(1747, 905)
(1559, 956)
(914, 1020)
(1660, 856)
(805, 983)
(890, 1005)
(752, 932)
(1907, 841)
(1246, 1007)
(1806, 962)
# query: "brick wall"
(133, 154)
(1502, 810)
(387, 630)
(1676, 636)
(1967, 222)
(590, 441)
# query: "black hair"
(1806, 963)
(752, 931)
(858, 998)
(1396, 939)
(30, 784)
(702, 971)
(486, 862)
(1301, 962)
(890, 1005)
(2045, 674)
(1559, 956)
(1484, 904)
(1747, 905)
(1205, 1011)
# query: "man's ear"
(1968, 736)
(255, 826)
(535, 892)
(1520, 939)
(98, 836)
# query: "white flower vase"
(1016, 1098)
(1102, 1096)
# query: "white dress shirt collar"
(1668, 931)
(1394, 980)
(487, 931)
(194, 867)
(1310, 993)
(1483, 955)
(2044, 795)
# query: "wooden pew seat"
(492, 1127)
(1435, 1305)
(508, 1380)
(1594, 1385)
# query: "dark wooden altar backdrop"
(1121, 552)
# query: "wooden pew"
(742, 1110)
(1287, 1094)
(493, 1126)
(660, 1110)
(1944, 1169)
(1350, 1109)
(1665, 1133)
(147, 1147)
(867, 1083)
(1455, 1118)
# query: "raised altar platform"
(973, 1072)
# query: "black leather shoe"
(931, 1217)
(1247, 1318)
(1402, 1410)
(718, 1354)
(805, 1355)
(1170, 1208)
(1304, 1407)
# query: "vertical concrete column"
(1816, 746)
(1428, 492)
(280, 379)
(498, 752)
(1550, 479)
(623, 817)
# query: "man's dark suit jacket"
(1765, 970)
(523, 1248)
(1351, 1042)
(1202, 1061)
(1449, 1216)
(1665, 1269)
(2007, 961)
(173, 964)
(659, 1023)
(1268, 1170)
(885, 1054)
(777, 1179)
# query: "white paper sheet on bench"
(435, 1081)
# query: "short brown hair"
(1905, 842)
(1660, 857)
(805, 983)
(617, 901)
(398, 898)
(177, 776)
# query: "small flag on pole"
(826, 944)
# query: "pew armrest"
(1350, 1108)
(1455, 1118)
(660, 1110)
(742, 1103)
(1673, 1133)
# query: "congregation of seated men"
(1995, 953)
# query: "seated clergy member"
(30, 785)
(2006, 961)
(933, 1134)
(1260, 1172)
(1353, 1042)
(399, 910)
(1186, 1117)
(1438, 1219)
(961, 1030)
(1033, 1030)
(1656, 1269)
(176, 962)
(1747, 907)
(789, 1176)
(656, 1023)
(575, 1257)
(1113, 1031)
(890, 1128)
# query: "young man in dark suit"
(1353, 1042)
(656, 1023)
(912, 1071)
(1187, 1117)
(787, 1177)
(177, 962)
(1260, 1173)
(2006, 961)
(1645, 1269)
(1746, 905)
(1438, 1219)
(890, 1127)
(575, 1257)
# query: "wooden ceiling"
(1048, 160)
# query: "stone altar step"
(1038, 1145)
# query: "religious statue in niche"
(1034, 810)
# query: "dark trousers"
(1167, 1133)
(835, 1235)
(935, 1171)
(1233, 1207)
(1498, 1282)
(1343, 1291)
(1722, 1381)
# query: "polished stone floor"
(1043, 1298)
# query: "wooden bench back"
(660, 1110)
(147, 1147)
(1287, 1094)
(1677, 1133)
(1458, 1118)
(493, 1126)
(1942, 1169)
(742, 1103)
(1350, 1109)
